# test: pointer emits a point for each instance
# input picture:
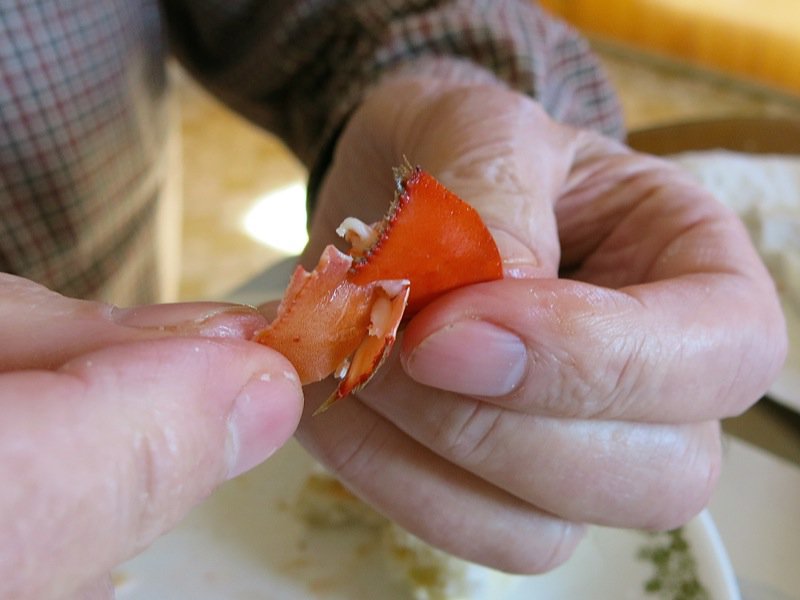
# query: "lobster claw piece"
(386, 313)
(429, 236)
(342, 318)
(327, 324)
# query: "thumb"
(115, 447)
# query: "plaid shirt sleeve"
(82, 132)
(83, 113)
(300, 67)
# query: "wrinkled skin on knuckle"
(631, 373)
(591, 382)
(354, 460)
(466, 435)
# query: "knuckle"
(625, 375)
(599, 380)
(469, 435)
(354, 458)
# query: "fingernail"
(210, 319)
(264, 416)
(470, 357)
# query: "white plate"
(244, 542)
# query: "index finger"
(43, 329)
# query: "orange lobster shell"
(342, 318)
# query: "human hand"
(520, 409)
(116, 422)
